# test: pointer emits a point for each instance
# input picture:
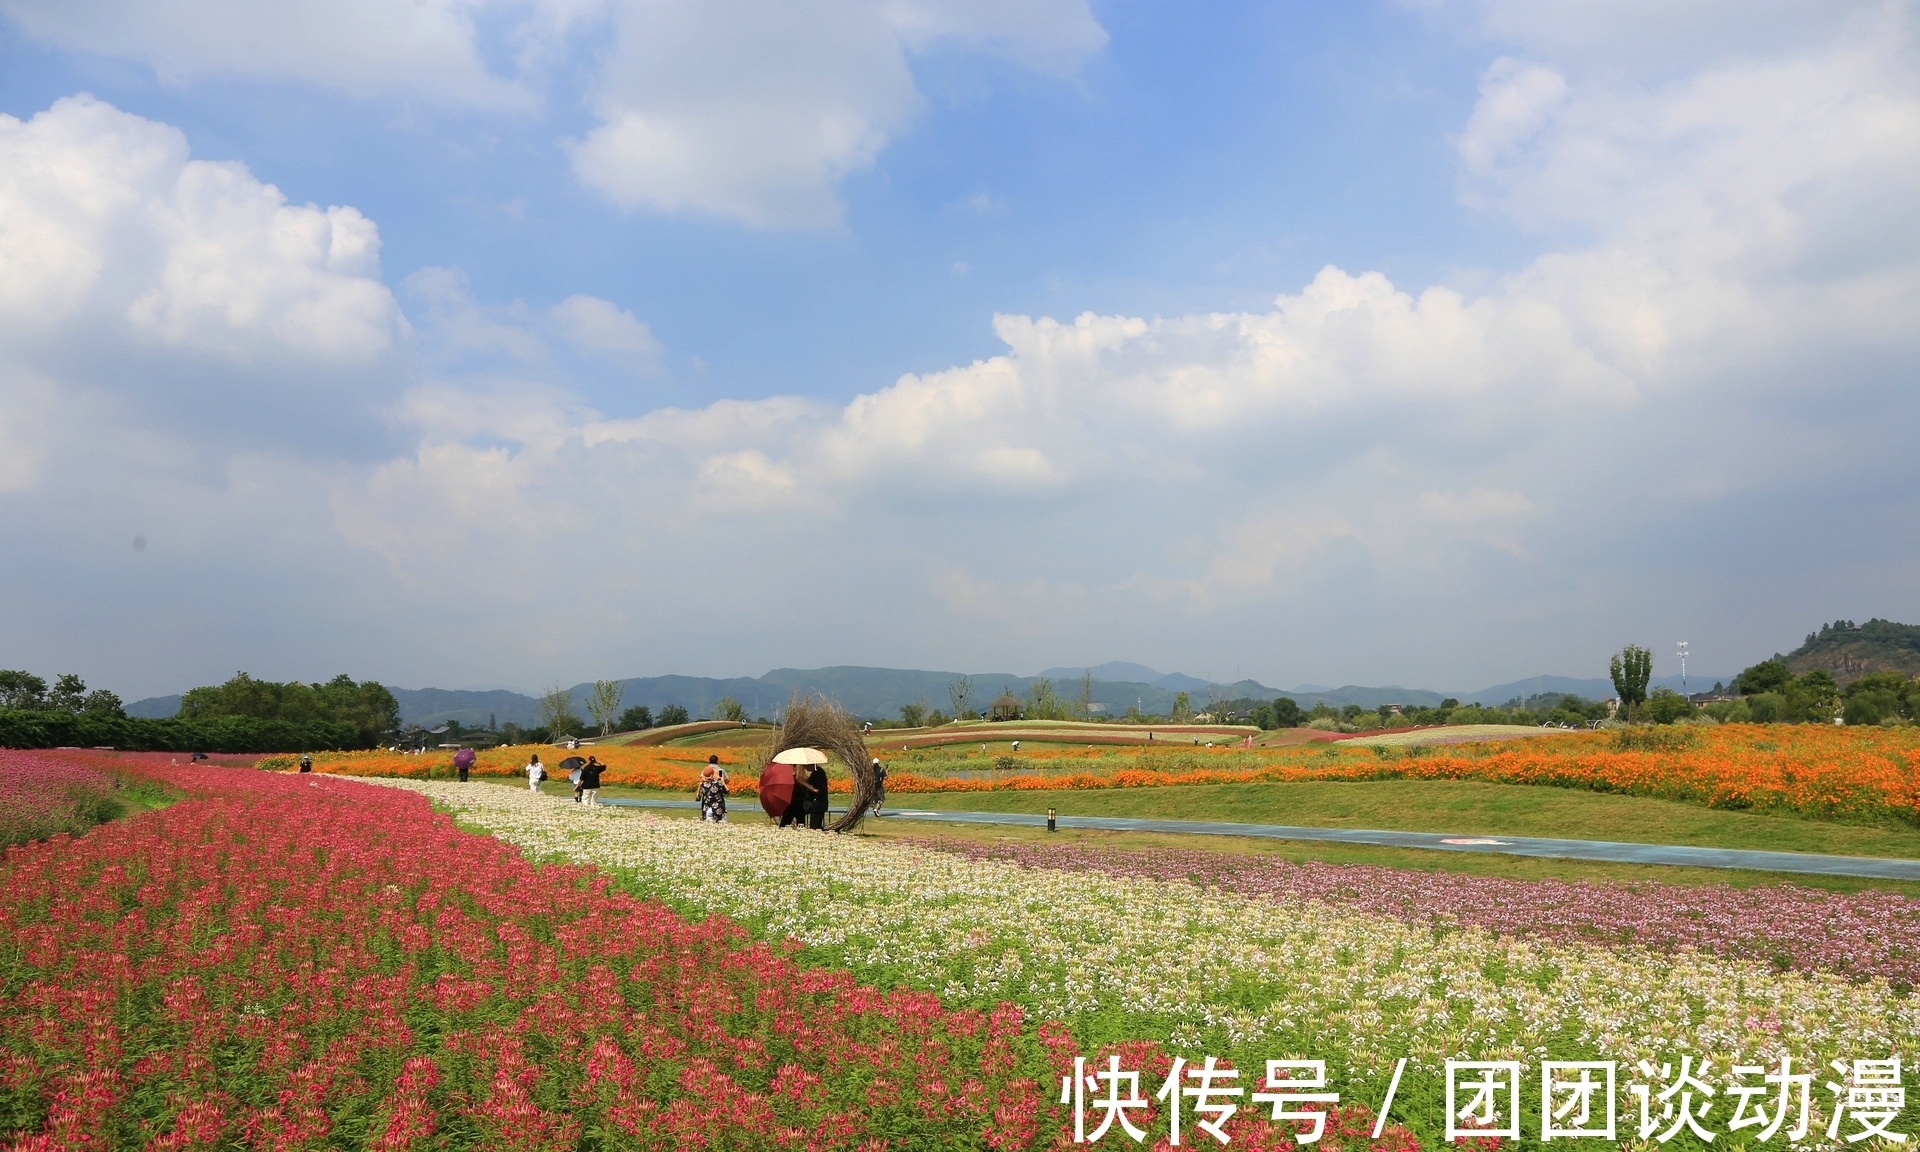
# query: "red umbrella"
(776, 789)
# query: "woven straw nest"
(817, 722)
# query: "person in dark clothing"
(306, 762)
(590, 780)
(463, 760)
(817, 798)
(802, 801)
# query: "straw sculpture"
(817, 722)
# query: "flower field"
(41, 795)
(286, 962)
(1123, 958)
(1782, 925)
(1806, 770)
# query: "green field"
(1468, 807)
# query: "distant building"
(1096, 709)
(1005, 708)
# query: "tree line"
(242, 715)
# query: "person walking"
(536, 772)
(463, 760)
(879, 785)
(573, 778)
(306, 762)
(590, 781)
(712, 795)
(817, 798)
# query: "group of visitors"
(584, 777)
(809, 805)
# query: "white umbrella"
(801, 756)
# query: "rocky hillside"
(1850, 650)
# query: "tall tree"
(1630, 669)
(22, 690)
(1086, 694)
(960, 691)
(1042, 704)
(727, 708)
(603, 703)
(915, 714)
(555, 710)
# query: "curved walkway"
(1611, 851)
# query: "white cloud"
(1719, 344)
(102, 211)
(755, 110)
(424, 48)
(602, 326)
(749, 110)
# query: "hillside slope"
(1850, 650)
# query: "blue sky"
(508, 341)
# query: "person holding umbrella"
(817, 798)
(590, 780)
(785, 791)
(463, 760)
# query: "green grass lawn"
(1468, 807)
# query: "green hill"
(1850, 650)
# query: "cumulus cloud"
(598, 325)
(1360, 438)
(425, 48)
(179, 286)
(748, 110)
(1713, 344)
(755, 110)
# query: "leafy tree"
(1871, 707)
(635, 719)
(1084, 710)
(1766, 676)
(1666, 706)
(22, 690)
(101, 702)
(1738, 711)
(603, 703)
(1042, 704)
(1817, 695)
(1182, 708)
(68, 693)
(555, 709)
(960, 691)
(727, 708)
(672, 714)
(367, 705)
(1630, 669)
(915, 714)
(936, 718)
(1767, 707)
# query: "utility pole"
(1683, 667)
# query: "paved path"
(1609, 850)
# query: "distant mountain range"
(880, 692)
